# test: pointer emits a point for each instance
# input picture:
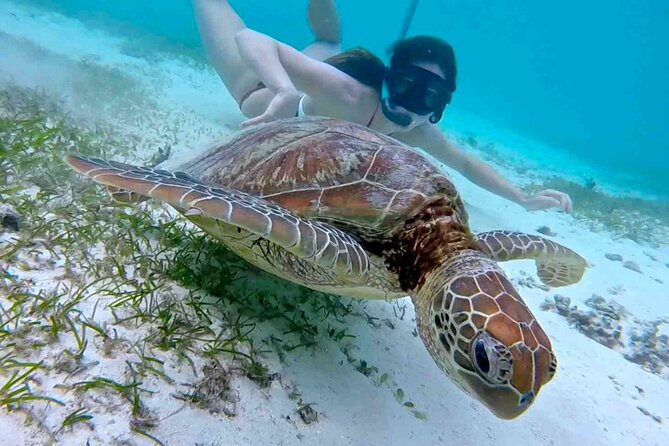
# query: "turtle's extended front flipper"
(316, 242)
(557, 265)
(125, 196)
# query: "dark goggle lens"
(416, 89)
(403, 85)
(434, 100)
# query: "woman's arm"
(261, 54)
(430, 138)
(287, 71)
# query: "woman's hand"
(547, 199)
(283, 105)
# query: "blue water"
(586, 78)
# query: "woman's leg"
(324, 22)
(218, 23)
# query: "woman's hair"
(425, 49)
(370, 70)
(361, 65)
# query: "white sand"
(593, 400)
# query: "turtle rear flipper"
(316, 242)
(557, 265)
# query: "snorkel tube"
(386, 105)
(397, 117)
(408, 17)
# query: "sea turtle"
(343, 209)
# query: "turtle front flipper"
(313, 241)
(557, 265)
(125, 196)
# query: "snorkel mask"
(417, 90)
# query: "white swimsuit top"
(300, 107)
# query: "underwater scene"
(327, 222)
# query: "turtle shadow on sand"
(288, 315)
(269, 316)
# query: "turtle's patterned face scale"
(484, 337)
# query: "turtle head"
(482, 335)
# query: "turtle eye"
(481, 357)
(552, 366)
(491, 358)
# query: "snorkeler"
(271, 80)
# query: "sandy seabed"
(320, 396)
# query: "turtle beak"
(503, 402)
